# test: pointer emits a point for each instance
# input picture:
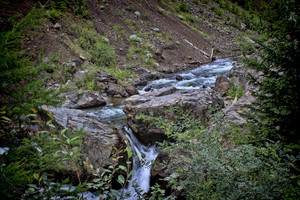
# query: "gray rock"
(179, 77)
(116, 90)
(222, 85)
(232, 113)
(57, 26)
(76, 62)
(131, 90)
(99, 138)
(197, 102)
(80, 74)
(87, 99)
(103, 76)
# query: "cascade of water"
(202, 77)
(142, 159)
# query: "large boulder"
(87, 99)
(157, 102)
(99, 139)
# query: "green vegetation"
(206, 161)
(278, 99)
(235, 91)
(21, 88)
(216, 10)
(138, 53)
(78, 7)
(91, 41)
(214, 164)
(30, 167)
(88, 81)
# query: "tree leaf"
(129, 151)
(121, 179)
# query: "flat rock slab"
(99, 138)
(87, 99)
(196, 102)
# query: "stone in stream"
(197, 102)
(99, 138)
(86, 99)
(179, 77)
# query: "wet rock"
(179, 77)
(153, 76)
(157, 102)
(99, 138)
(141, 83)
(87, 99)
(131, 90)
(222, 85)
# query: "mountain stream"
(203, 76)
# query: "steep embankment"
(159, 35)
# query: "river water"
(203, 76)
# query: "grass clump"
(97, 46)
(216, 10)
(182, 7)
(235, 91)
(88, 81)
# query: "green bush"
(208, 164)
(98, 47)
(235, 91)
(183, 7)
(103, 55)
(216, 10)
(79, 7)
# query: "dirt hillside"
(174, 35)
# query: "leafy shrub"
(120, 74)
(98, 47)
(161, 10)
(216, 10)
(103, 54)
(206, 164)
(137, 14)
(128, 8)
(28, 167)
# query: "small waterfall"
(202, 77)
(142, 160)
